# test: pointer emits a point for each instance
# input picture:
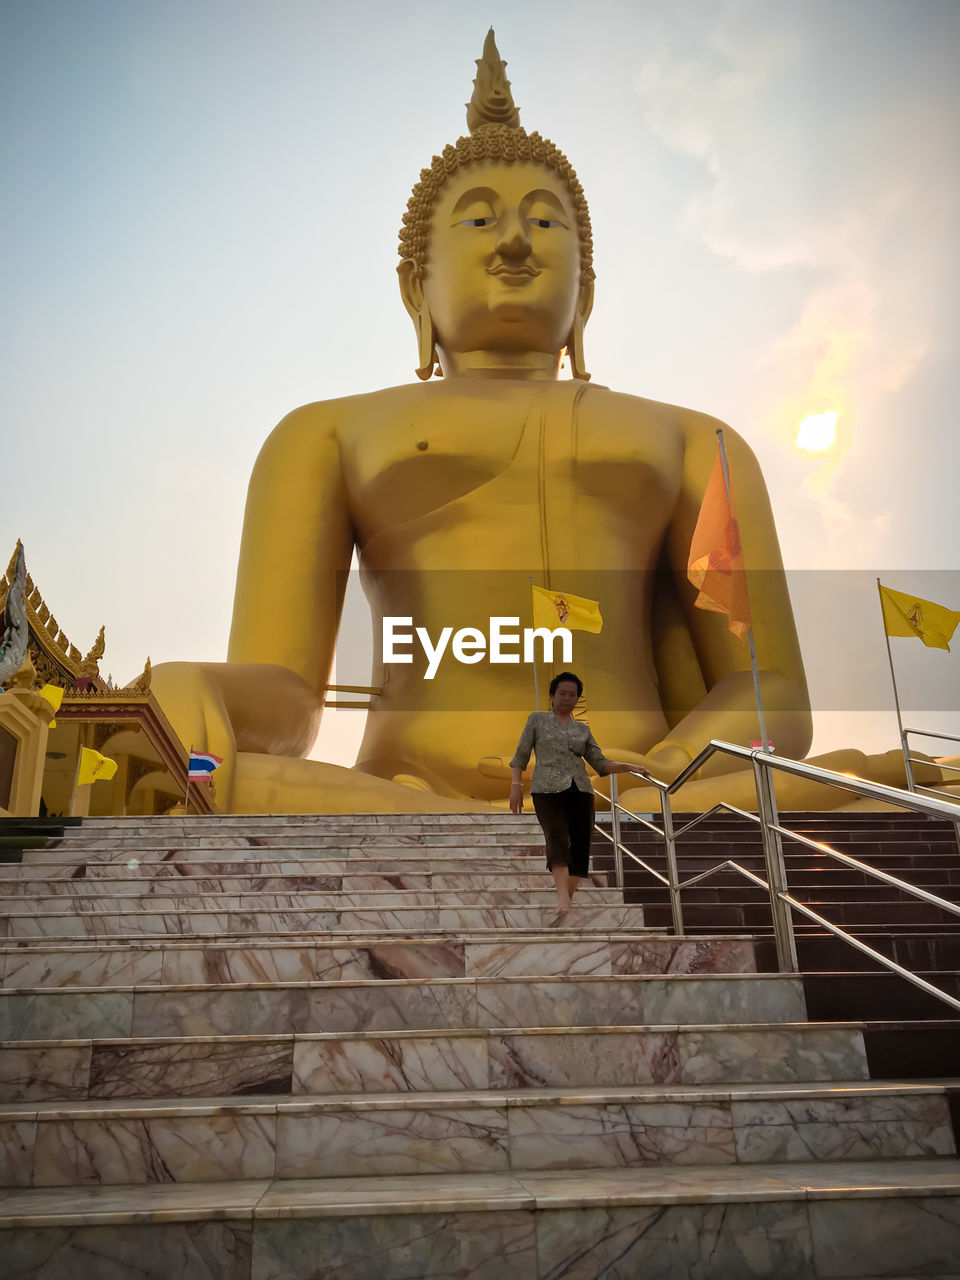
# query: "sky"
(198, 223)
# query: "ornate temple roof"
(54, 657)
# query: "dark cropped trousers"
(567, 821)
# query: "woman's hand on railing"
(645, 768)
(621, 766)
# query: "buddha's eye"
(477, 222)
(546, 222)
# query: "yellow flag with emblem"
(94, 767)
(905, 615)
(53, 694)
(554, 609)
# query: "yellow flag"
(94, 767)
(561, 609)
(54, 695)
(909, 616)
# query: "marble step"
(291, 862)
(75, 1036)
(160, 877)
(492, 820)
(36, 962)
(215, 1139)
(465, 844)
(178, 897)
(797, 1221)
(476, 1057)
(183, 896)
(405, 920)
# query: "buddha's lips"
(517, 272)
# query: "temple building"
(40, 747)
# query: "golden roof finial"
(141, 685)
(492, 101)
(12, 566)
(89, 667)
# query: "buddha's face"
(503, 268)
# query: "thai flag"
(202, 764)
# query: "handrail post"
(670, 849)
(907, 763)
(615, 830)
(776, 867)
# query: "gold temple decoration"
(141, 685)
(495, 134)
(90, 667)
(50, 638)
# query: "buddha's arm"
(294, 557)
(296, 538)
(728, 710)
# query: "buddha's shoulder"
(340, 415)
(621, 408)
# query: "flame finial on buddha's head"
(492, 101)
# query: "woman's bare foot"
(562, 908)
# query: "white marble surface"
(726, 1224)
(379, 1141)
(40, 962)
(467, 1130)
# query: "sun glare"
(817, 431)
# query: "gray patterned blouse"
(560, 750)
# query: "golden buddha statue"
(457, 492)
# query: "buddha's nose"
(513, 240)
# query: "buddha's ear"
(411, 291)
(585, 301)
(575, 340)
(411, 287)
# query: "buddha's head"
(496, 246)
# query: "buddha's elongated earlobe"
(575, 350)
(578, 365)
(426, 344)
(411, 291)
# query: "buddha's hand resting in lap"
(226, 707)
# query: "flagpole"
(750, 643)
(76, 782)
(907, 767)
(187, 792)
(536, 682)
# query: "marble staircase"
(263, 1048)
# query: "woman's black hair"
(566, 675)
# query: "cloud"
(828, 136)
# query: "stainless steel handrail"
(926, 733)
(671, 880)
(812, 772)
(876, 955)
(943, 903)
(782, 903)
(909, 761)
(633, 857)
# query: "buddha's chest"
(492, 457)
